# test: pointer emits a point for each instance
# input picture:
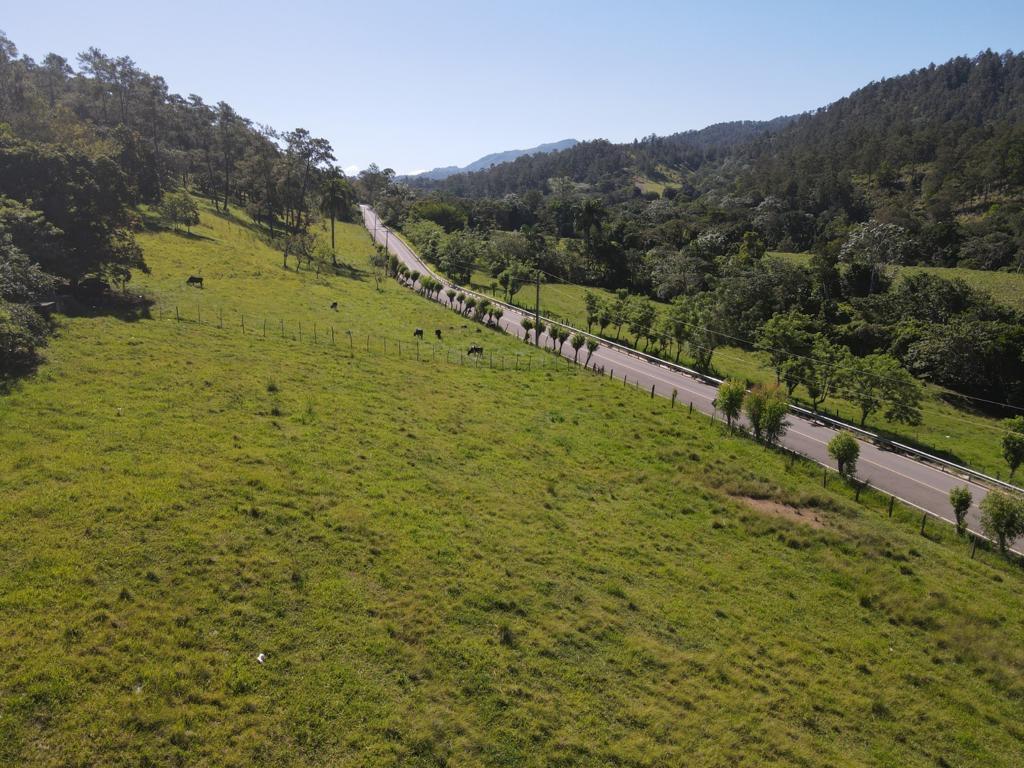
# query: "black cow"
(334, 306)
(194, 280)
(437, 332)
(475, 349)
(418, 333)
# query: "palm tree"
(589, 215)
(450, 293)
(576, 341)
(335, 199)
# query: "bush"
(1002, 518)
(845, 449)
(960, 499)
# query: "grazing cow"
(194, 280)
(475, 349)
(334, 306)
(418, 333)
(437, 332)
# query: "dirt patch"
(776, 509)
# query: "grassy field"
(449, 565)
(967, 437)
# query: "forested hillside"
(923, 169)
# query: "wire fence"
(352, 343)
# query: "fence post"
(417, 350)
(652, 390)
(264, 327)
(856, 493)
(824, 478)
(220, 317)
(691, 409)
(332, 335)
(199, 313)
(892, 501)
(611, 374)
(314, 333)
(351, 349)
(974, 545)
(300, 331)
(675, 394)
(623, 379)
(367, 342)
(243, 323)
(924, 519)
(176, 315)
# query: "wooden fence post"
(220, 317)
(924, 519)
(264, 327)
(314, 333)
(892, 502)
(652, 390)
(675, 394)
(824, 478)
(176, 315)
(691, 409)
(974, 545)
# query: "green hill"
(444, 563)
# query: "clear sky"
(413, 85)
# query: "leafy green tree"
(576, 342)
(766, 409)
(457, 255)
(876, 247)
(729, 399)
(512, 278)
(786, 337)
(960, 499)
(1013, 443)
(845, 449)
(450, 293)
(592, 346)
(878, 381)
(563, 336)
(619, 311)
(179, 209)
(527, 323)
(592, 307)
(1002, 518)
(827, 367)
(641, 318)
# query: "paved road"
(911, 481)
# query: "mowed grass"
(451, 565)
(967, 436)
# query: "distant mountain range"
(495, 158)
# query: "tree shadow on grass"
(128, 307)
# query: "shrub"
(845, 449)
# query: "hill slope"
(580, 576)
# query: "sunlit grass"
(449, 565)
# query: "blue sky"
(413, 85)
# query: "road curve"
(911, 481)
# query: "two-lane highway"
(913, 482)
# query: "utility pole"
(536, 314)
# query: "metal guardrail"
(804, 413)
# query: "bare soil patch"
(809, 517)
